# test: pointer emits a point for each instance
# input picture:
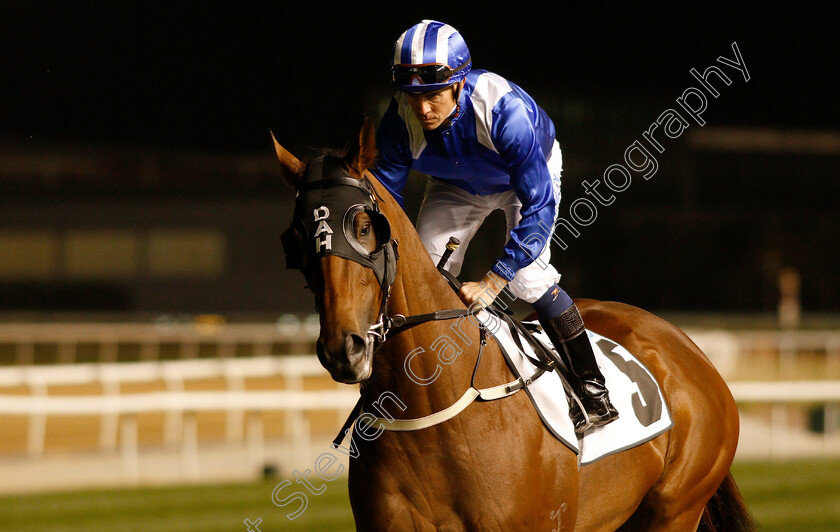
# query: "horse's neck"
(419, 289)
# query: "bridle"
(329, 197)
(327, 202)
(334, 197)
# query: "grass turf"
(792, 496)
(176, 509)
(783, 496)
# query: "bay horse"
(494, 466)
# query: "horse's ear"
(362, 155)
(291, 167)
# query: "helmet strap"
(457, 100)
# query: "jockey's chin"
(430, 124)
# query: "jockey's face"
(433, 108)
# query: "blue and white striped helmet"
(429, 56)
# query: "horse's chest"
(484, 488)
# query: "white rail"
(178, 406)
(124, 372)
(140, 403)
(243, 408)
(786, 392)
(184, 340)
(150, 338)
(726, 347)
(236, 402)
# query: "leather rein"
(328, 197)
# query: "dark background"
(194, 74)
(709, 232)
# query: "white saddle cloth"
(643, 413)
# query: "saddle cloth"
(643, 413)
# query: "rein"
(470, 395)
(328, 199)
(399, 322)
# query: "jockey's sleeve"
(394, 160)
(517, 142)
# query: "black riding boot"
(569, 337)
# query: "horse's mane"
(327, 152)
(313, 153)
(310, 153)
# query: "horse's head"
(341, 241)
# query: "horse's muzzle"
(350, 362)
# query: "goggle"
(427, 74)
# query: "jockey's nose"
(425, 108)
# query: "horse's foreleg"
(391, 517)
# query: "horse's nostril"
(354, 344)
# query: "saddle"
(545, 378)
(543, 361)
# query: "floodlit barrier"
(168, 336)
(783, 350)
(243, 408)
(119, 411)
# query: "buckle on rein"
(378, 330)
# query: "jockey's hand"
(484, 292)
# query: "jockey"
(486, 145)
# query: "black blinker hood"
(327, 200)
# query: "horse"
(494, 466)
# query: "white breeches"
(448, 210)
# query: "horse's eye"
(365, 230)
